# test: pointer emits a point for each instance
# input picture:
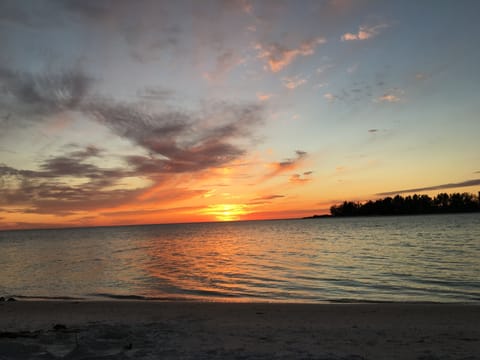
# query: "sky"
(141, 112)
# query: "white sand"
(192, 330)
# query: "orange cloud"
(263, 96)
(301, 178)
(278, 56)
(364, 32)
(287, 164)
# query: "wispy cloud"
(51, 188)
(293, 82)
(301, 178)
(287, 164)
(269, 197)
(364, 32)
(264, 96)
(467, 183)
(329, 97)
(225, 62)
(266, 199)
(278, 56)
(47, 92)
(180, 142)
(172, 142)
(323, 68)
(391, 96)
(155, 94)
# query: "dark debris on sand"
(105, 342)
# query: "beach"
(205, 330)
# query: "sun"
(226, 212)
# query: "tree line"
(410, 205)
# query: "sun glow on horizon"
(226, 212)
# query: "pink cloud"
(364, 32)
(279, 56)
(263, 96)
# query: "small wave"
(41, 297)
(364, 301)
(139, 297)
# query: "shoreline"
(53, 329)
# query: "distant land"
(442, 203)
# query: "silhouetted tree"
(416, 204)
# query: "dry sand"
(194, 330)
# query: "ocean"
(431, 258)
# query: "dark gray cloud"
(474, 182)
(156, 94)
(50, 189)
(288, 163)
(40, 94)
(269, 197)
(177, 141)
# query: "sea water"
(400, 259)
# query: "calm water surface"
(411, 258)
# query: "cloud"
(170, 142)
(293, 82)
(329, 97)
(391, 96)
(225, 62)
(45, 92)
(269, 197)
(64, 184)
(278, 56)
(245, 5)
(467, 183)
(321, 69)
(266, 199)
(155, 94)
(264, 96)
(364, 32)
(287, 164)
(179, 142)
(301, 178)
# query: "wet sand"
(195, 330)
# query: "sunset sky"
(131, 112)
